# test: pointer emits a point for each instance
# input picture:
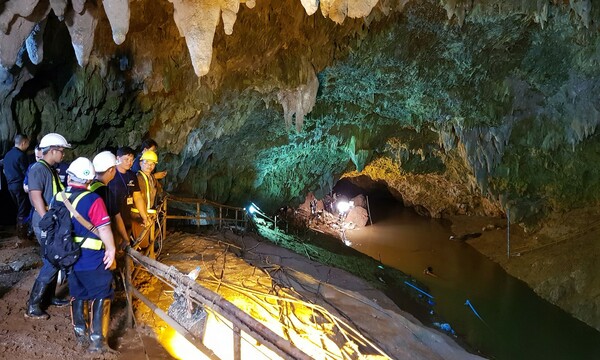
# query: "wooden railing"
(227, 215)
(213, 301)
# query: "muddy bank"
(272, 268)
(559, 260)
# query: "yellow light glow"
(178, 346)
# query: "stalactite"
(34, 43)
(299, 101)
(14, 8)
(20, 28)
(117, 12)
(59, 7)
(81, 26)
(310, 6)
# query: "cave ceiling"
(458, 106)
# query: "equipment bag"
(57, 231)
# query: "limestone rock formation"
(460, 107)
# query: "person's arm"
(121, 230)
(99, 218)
(35, 196)
(23, 164)
(140, 204)
(106, 236)
(160, 174)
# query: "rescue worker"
(148, 144)
(148, 188)
(43, 185)
(90, 279)
(38, 157)
(15, 168)
(126, 190)
(105, 164)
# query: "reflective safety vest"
(90, 242)
(147, 194)
(56, 184)
(95, 185)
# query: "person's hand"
(160, 174)
(109, 258)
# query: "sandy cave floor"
(393, 332)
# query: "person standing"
(90, 279)
(15, 168)
(43, 185)
(38, 156)
(105, 164)
(126, 189)
(148, 188)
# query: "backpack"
(57, 232)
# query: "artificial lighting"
(251, 209)
(343, 206)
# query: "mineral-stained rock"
(15, 8)
(358, 216)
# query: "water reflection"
(517, 324)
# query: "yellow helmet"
(149, 155)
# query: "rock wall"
(493, 101)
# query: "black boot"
(54, 300)
(34, 310)
(80, 314)
(99, 326)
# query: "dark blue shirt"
(15, 166)
(122, 188)
(136, 164)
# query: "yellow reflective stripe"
(79, 197)
(149, 211)
(95, 185)
(92, 244)
(147, 189)
(55, 179)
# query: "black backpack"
(56, 234)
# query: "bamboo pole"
(237, 343)
(369, 211)
(237, 317)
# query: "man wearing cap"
(43, 185)
(15, 167)
(105, 164)
(90, 280)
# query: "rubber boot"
(79, 315)
(34, 309)
(99, 326)
(56, 301)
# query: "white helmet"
(54, 139)
(82, 168)
(104, 161)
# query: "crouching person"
(90, 280)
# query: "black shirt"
(15, 166)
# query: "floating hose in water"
(468, 303)
(419, 290)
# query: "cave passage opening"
(503, 318)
